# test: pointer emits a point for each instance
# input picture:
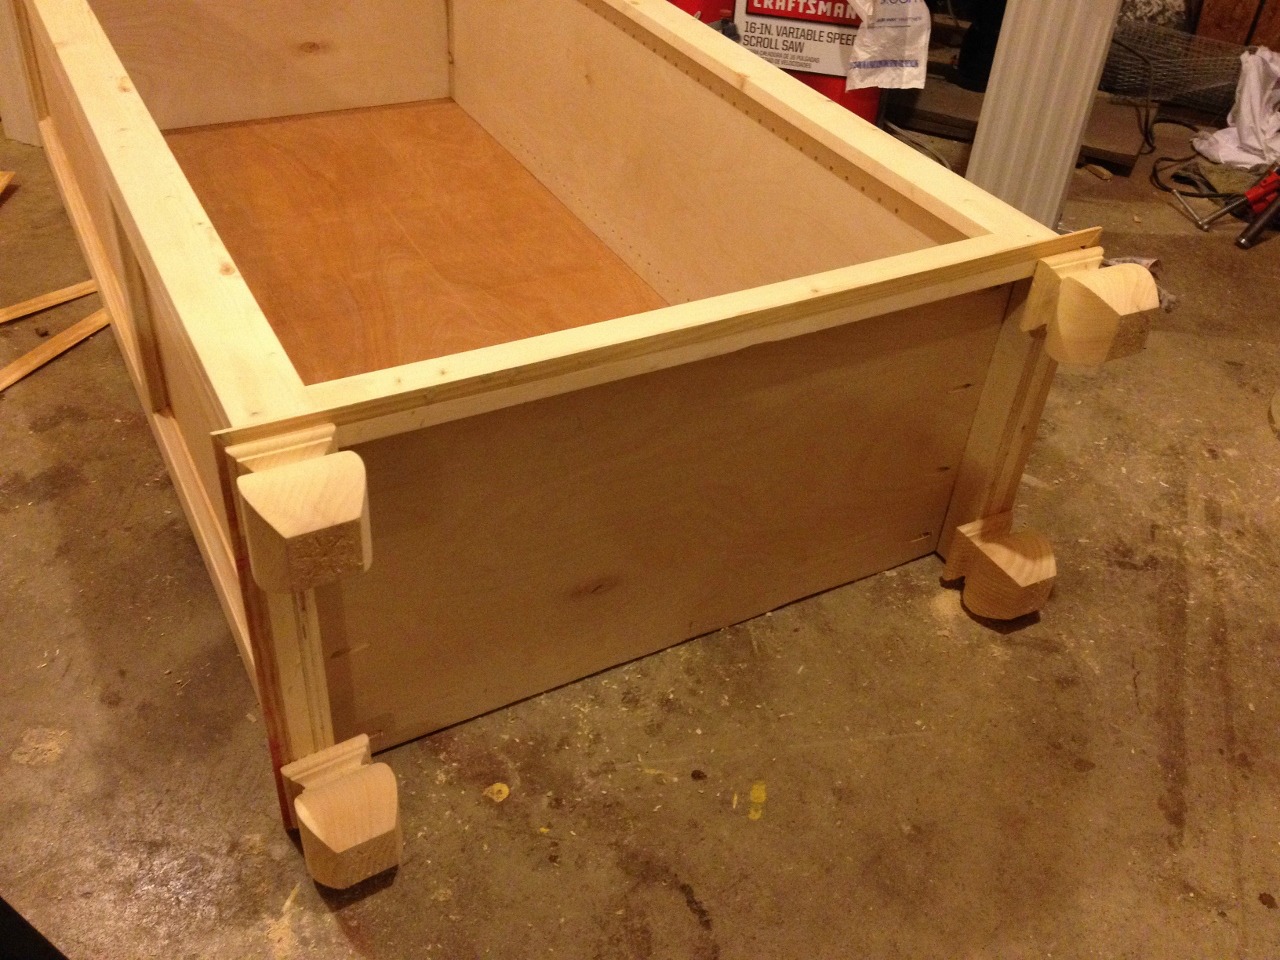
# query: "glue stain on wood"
(41, 746)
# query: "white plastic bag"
(892, 46)
(1252, 134)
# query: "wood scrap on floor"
(47, 300)
(6, 177)
(55, 346)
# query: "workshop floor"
(868, 773)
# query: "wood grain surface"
(518, 550)
(218, 61)
(381, 236)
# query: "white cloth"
(891, 48)
(1252, 134)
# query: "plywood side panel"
(691, 182)
(525, 548)
(212, 61)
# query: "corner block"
(1006, 574)
(348, 812)
(307, 523)
(1102, 315)
(1092, 313)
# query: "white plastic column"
(1046, 71)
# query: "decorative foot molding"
(348, 813)
(1006, 574)
(1091, 314)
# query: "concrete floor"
(868, 773)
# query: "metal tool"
(1257, 197)
(1260, 222)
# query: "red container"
(865, 103)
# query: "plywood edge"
(184, 261)
(919, 180)
(405, 398)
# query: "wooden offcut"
(52, 348)
(45, 300)
(479, 370)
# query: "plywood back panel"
(213, 61)
(690, 182)
(521, 549)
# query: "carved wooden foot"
(1006, 574)
(1092, 315)
(348, 813)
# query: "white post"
(1045, 74)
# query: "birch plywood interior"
(423, 237)
(595, 352)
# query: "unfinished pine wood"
(307, 523)
(202, 509)
(350, 826)
(382, 403)
(1102, 314)
(525, 548)
(565, 497)
(1041, 304)
(224, 60)
(1007, 574)
(54, 347)
(400, 233)
(244, 372)
(326, 765)
(697, 195)
(1004, 425)
(288, 659)
(6, 178)
(347, 812)
(45, 300)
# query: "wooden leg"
(1006, 574)
(348, 813)
(304, 520)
